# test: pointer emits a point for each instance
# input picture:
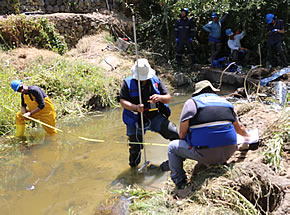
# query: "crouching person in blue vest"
(208, 127)
(155, 96)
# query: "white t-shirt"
(235, 44)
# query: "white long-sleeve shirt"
(235, 44)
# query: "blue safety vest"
(130, 117)
(212, 125)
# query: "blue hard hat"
(185, 9)
(15, 84)
(214, 15)
(229, 32)
(269, 18)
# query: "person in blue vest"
(275, 34)
(184, 33)
(155, 98)
(208, 127)
(214, 36)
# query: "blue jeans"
(158, 124)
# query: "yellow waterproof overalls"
(46, 115)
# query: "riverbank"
(89, 77)
(76, 83)
(253, 182)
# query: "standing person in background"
(208, 127)
(155, 113)
(184, 33)
(275, 34)
(214, 37)
(239, 54)
(36, 104)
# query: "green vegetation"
(156, 20)
(16, 31)
(274, 145)
(213, 191)
(75, 87)
(148, 202)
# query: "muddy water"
(72, 175)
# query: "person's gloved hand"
(190, 40)
(275, 30)
(176, 40)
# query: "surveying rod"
(140, 98)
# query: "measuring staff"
(154, 98)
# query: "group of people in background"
(184, 33)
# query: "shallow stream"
(72, 175)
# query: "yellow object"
(57, 129)
(20, 130)
(46, 115)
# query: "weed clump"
(18, 30)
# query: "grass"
(19, 30)
(148, 202)
(75, 87)
(234, 189)
(279, 136)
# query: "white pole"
(139, 84)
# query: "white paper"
(254, 137)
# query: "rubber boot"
(20, 129)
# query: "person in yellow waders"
(34, 103)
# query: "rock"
(110, 63)
(180, 79)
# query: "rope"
(85, 138)
(57, 129)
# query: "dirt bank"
(256, 181)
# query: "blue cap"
(229, 32)
(269, 18)
(15, 84)
(214, 15)
(185, 9)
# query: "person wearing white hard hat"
(155, 98)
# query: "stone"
(81, 4)
(110, 63)
(59, 2)
(55, 9)
(62, 8)
(41, 3)
(180, 79)
(49, 8)
(80, 28)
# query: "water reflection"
(71, 174)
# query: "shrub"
(19, 30)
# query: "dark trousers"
(215, 50)
(180, 50)
(241, 57)
(166, 129)
(276, 48)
